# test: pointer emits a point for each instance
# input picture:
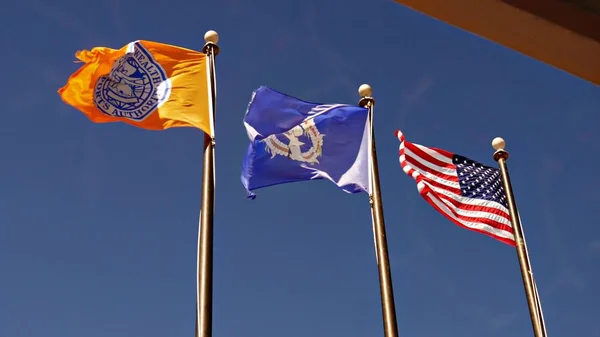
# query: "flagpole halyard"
(204, 285)
(388, 307)
(533, 302)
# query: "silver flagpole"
(390, 326)
(204, 285)
(530, 290)
(538, 302)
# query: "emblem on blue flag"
(136, 85)
(293, 148)
(293, 140)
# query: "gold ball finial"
(211, 36)
(498, 143)
(365, 90)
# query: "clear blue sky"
(98, 222)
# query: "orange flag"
(151, 85)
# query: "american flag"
(466, 192)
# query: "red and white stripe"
(437, 182)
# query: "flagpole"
(535, 290)
(204, 285)
(530, 291)
(390, 326)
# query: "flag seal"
(135, 86)
(293, 149)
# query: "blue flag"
(292, 140)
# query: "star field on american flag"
(479, 181)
